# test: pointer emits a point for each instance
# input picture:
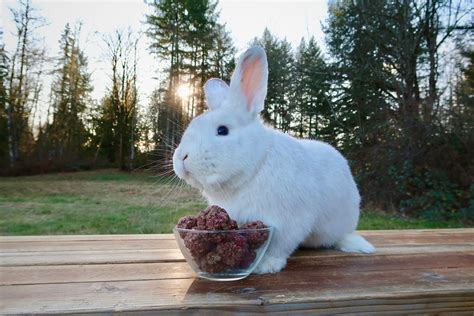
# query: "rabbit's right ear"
(215, 91)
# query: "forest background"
(392, 89)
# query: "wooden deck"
(414, 271)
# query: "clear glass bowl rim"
(245, 230)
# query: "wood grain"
(170, 255)
(267, 291)
(89, 257)
(42, 246)
(173, 270)
(367, 233)
(415, 271)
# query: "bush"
(430, 194)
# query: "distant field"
(97, 202)
(112, 202)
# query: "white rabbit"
(303, 188)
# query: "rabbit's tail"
(354, 242)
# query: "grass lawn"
(112, 202)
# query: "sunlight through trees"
(391, 88)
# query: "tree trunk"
(431, 34)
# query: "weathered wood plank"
(90, 245)
(167, 255)
(405, 307)
(94, 273)
(142, 244)
(297, 292)
(424, 232)
(319, 267)
(58, 238)
(416, 271)
(388, 251)
(90, 257)
(51, 244)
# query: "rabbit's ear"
(215, 91)
(249, 81)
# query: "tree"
(3, 100)
(116, 134)
(186, 36)
(167, 26)
(311, 93)
(167, 30)
(359, 92)
(278, 108)
(222, 61)
(70, 96)
(386, 57)
(24, 61)
(460, 119)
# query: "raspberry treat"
(212, 263)
(216, 252)
(248, 259)
(186, 222)
(197, 244)
(257, 238)
(233, 251)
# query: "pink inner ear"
(252, 75)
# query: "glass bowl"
(223, 255)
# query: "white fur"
(215, 90)
(303, 188)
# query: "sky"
(244, 19)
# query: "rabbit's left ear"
(215, 91)
(249, 81)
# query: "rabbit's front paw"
(270, 264)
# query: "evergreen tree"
(278, 109)
(222, 61)
(386, 94)
(461, 112)
(187, 37)
(104, 140)
(359, 69)
(70, 95)
(311, 93)
(167, 27)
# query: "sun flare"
(183, 91)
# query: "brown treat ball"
(201, 218)
(212, 263)
(186, 222)
(233, 250)
(233, 225)
(248, 259)
(197, 244)
(257, 238)
(214, 218)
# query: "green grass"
(371, 220)
(112, 202)
(100, 202)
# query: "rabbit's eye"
(222, 130)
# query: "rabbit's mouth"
(190, 179)
(180, 170)
(185, 174)
(183, 167)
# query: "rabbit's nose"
(185, 157)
